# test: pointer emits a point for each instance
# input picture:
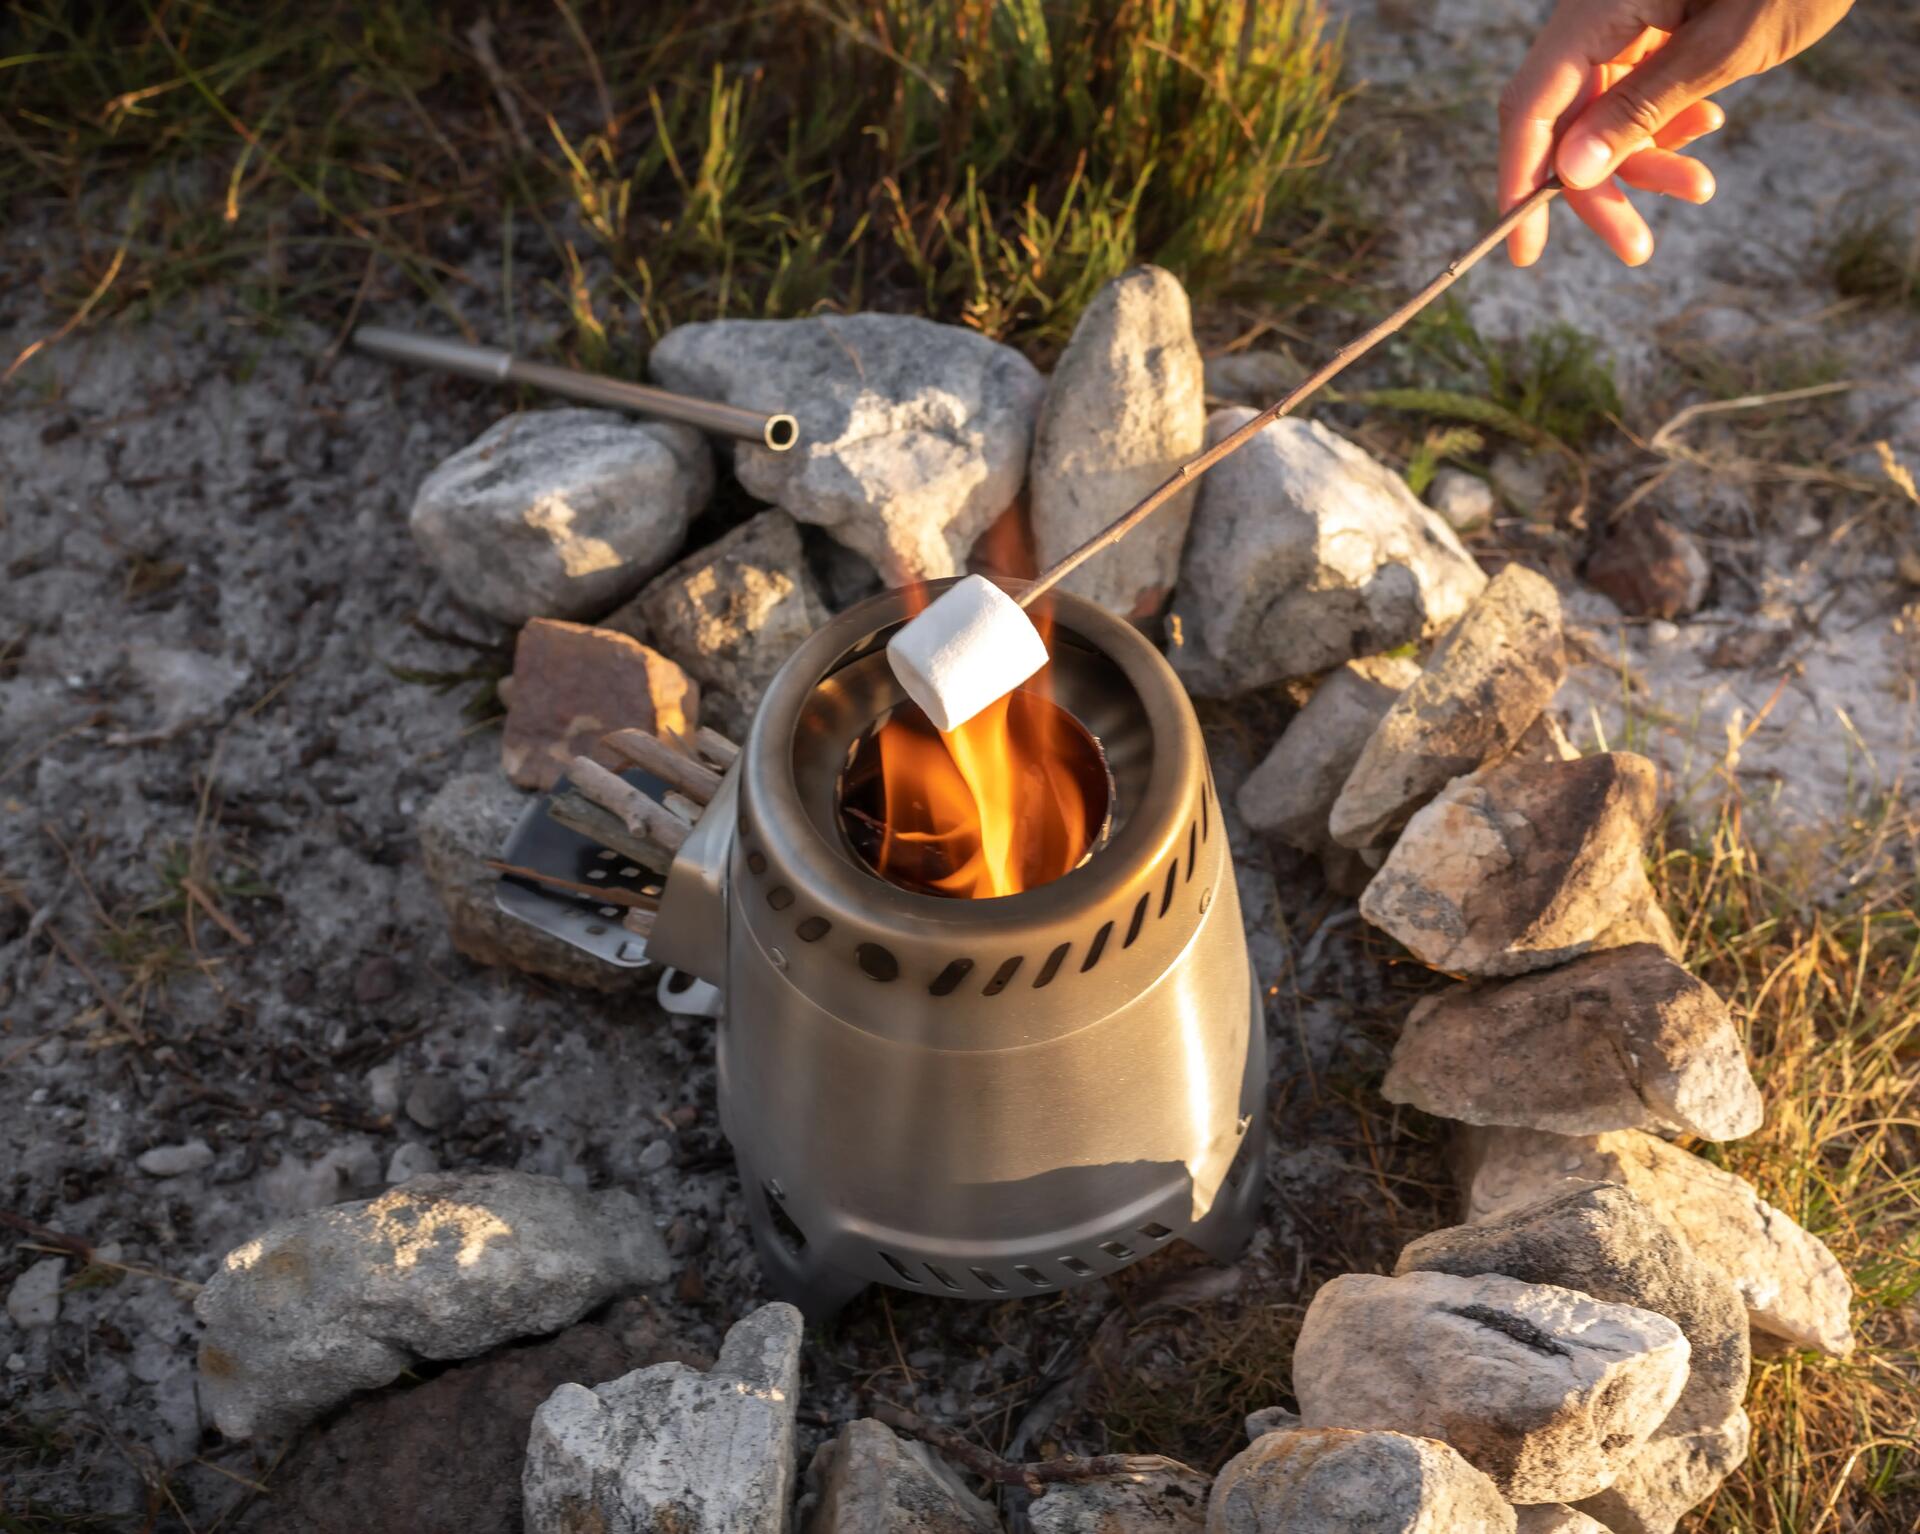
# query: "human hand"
(1621, 88)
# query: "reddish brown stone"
(572, 684)
(1649, 567)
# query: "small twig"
(582, 816)
(715, 747)
(1035, 1474)
(606, 894)
(671, 765)
(641, 814)
(193, 889)
(679, 804)
(79, 1246)
(480, 40)
(1661, 439)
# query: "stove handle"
(690, 930)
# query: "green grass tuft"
(988, 161)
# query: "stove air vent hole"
(1033, 1276)
(1116, 1251)
(1133, 927)
(944, 1277)
(813, 929)
(1099, 947)
(1076, 1267)
(784, 1224)
(1193, 848)
(1052, 967)
(877, 963)
(1155, 1231)
(989, 1280)
(1166, 895)
(1003, 976)
(905, 1273)
(679, 981)
(948, 980)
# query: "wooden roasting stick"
(1351, 352)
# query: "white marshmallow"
(973, 644)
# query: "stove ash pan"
(978, 1098)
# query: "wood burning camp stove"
(977, 1098)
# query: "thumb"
(1625, 118)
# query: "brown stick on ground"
(1034, 1475)
(1351, 352)
(668, 763)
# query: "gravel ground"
(207, 582)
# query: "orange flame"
(996, 802)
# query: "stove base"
(819, 1288)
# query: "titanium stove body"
(980, 1098)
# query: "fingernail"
(1583, 160)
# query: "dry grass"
(1830, 997)
(988, 161)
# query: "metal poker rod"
(490, 365)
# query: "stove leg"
(1226, 1229)
(819, 1292)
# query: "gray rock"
(1555, 1518)
(1291, 793)
(913, 436)
(34, 1297)
(1336, 1481)
(1793, 1288)
(1604, 1242)
(867, 1481)
(176, 1160)
(1466, 501)
(656, 1156)
(409, 1160)
(464, 824)
(1520, 867)
(731, 614)
(561, 513)
(1619, 1039)
(1676, 1471)
(671, 1448)
(433, 1102)
(1304, 553)
(1251, 378)
(1548, 1392)
(446, 1266)
(1486, 682)
(383, 1081)
(1170, 1501)
(1270, 1419)
(1124, 409)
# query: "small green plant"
(1555, 380)
(1875, 261)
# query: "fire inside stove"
(1013, 799)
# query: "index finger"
(1553, 82)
